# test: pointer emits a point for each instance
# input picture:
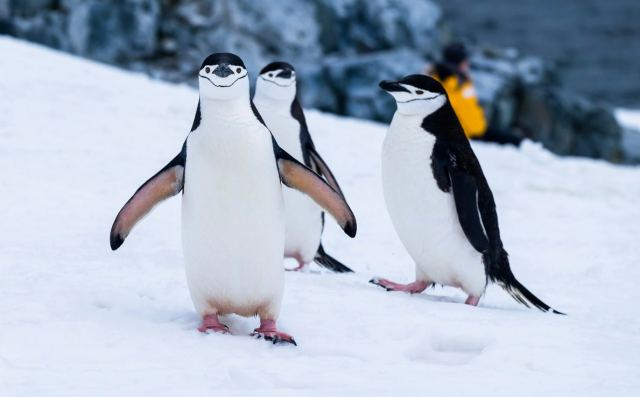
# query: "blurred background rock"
(553, 68)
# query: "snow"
(77, 319)
(629, 118)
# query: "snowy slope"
(77, 138)
(628, 118)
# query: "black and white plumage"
(438, 197)
(277, 101)
(230, 171)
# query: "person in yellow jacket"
(453, 73)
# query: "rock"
(569, 125)
(341, 49)
(362, 26)
(353, 82)
(631, 145)
(48, 29)
(315, 88)
(593, 45)
(5, 11)
(26, 8)
(258, 34)
(112, 32)
(519, 92)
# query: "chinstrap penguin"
(439, 200)
(277, 101)
(230, 171)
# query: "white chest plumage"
(424, 216)
(232, 218)
(303, 217)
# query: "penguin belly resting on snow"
(230, 171)
(277, 101)
(439, 200)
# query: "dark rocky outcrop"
(593, 44)
(341, 49)
(520, 93)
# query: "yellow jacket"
(465, 103)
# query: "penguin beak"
(392, 86)
(223, 70)
(285, 74)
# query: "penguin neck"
(213, 110)
(273, 105)
(413, 121)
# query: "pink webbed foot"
(472, 300)
(268, 331)
(298, 258)
(297, 268)
(412, 288)
(210, 322)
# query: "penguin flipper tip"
(351, 228)
(115, 241)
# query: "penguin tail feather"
(522, 295)
(503, 276)
(327, 261)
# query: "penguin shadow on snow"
(313, 268)
(447, 349)
(440, 294)
(291, 265)
(238, 326)
(431, 294)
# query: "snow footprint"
(447, 350)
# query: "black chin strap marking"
(279, 85)
(222, 86)
(421, 99)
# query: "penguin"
(277, 101)
(439, 200)
(230, 171)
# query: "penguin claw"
(277, 338)
(412, 288)
(376, 281)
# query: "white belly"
(303, 219)
(233, 223)
(424, 216)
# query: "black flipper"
(328, 262)
(478, 218)
(166, 183)
(440, 166)
(465, 193)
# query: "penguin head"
(416, 94)
(223, 76)
(277, 81)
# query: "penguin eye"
(238, 70)
(207, 69)
(270, 74)
(419, 92)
